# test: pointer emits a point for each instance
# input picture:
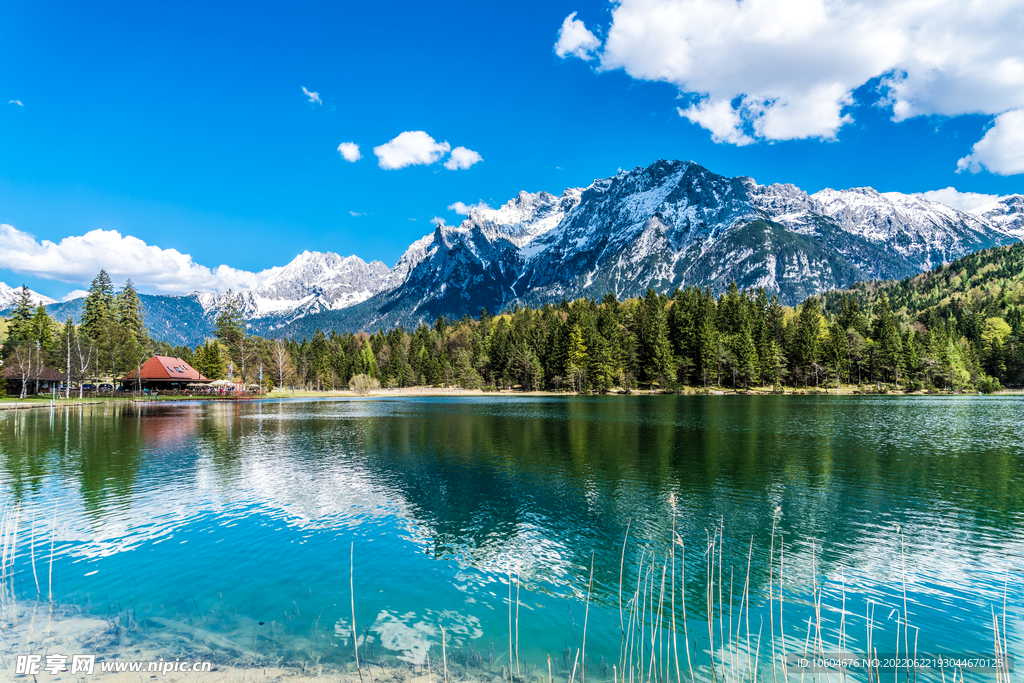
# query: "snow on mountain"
(673, 223)
(9, 295)
(312, 282)
(524, 218)
(1005, 214)
(889, 235)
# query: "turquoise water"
(243, 519)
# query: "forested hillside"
(978, 298)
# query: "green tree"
(209, 360)
(229, 328)
(43, 330)
(837, 350)
(128, 308)
(367, 364)
(98, 309)
(806, 350)
(578, 359)
(19, 325)
(654, 350)
(887, 337)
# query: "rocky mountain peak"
(9, 295)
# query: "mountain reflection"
(539, 486)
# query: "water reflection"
(256, 505)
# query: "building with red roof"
(164, 372)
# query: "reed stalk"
(586, 616)
(444, 655)
(352, 595)
(32, 544)
(518, 675)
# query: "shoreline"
(454, 392)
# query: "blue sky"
(186, 126)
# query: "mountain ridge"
(672, 223)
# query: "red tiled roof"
(166, 368)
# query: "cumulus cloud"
(75, 294)
(574, 39)
(463, 209)
(436, 220)
(1001, 151)
(17, 102)
(356, 214)
(462, 158)
(413, 147)
(78, 259)
(787, 69)
(349, 151)
(313, 96)
(963, 201)
(720, 118)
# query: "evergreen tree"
(653, 348)
(229, 328)
(707, 339)
(368, 362)
(209, 361)
(129, 312)
(806, 344)
(888, 340)
(19, 325)
(43, 332)
(98, 309)
(577, 359)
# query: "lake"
(247, 523)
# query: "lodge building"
(42, 381)
(162, 373)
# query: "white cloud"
(413, 147)
(463, 209)
(720, 118)
(77, 259)
(436, 220)
(356, 214)
(17, 102)
(788, 68)
(462, 158)
(75, 294)
(963, 201)
(575, 39)
(1001, 150)
(349, 151)
(313, 96)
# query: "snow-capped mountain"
(9, 295)
(1007, 214)
(311, 283)
(888, 235)
(673, 223)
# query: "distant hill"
(989, 283)
(173, 319)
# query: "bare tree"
(84, 357)
(284, 369)
(27, 364)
